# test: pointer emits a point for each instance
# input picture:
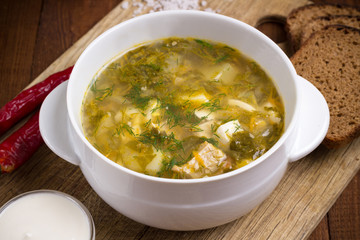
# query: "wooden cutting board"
(307, 191)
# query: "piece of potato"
(155, 165)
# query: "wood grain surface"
(39, 37)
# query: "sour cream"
(44, 215)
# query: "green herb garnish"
(104, 93)
(134, 96)
(223, 58)
(152, 66)
(160, 141)
(203, 43)
(122, 127)
(210, 140)
(212, 105)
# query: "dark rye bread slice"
(320, 22)
(300, 17)
(330, 59)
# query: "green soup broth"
(182, 108)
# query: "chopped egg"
(196, 97)
(226, 131)
(204, 113)
(241, 104)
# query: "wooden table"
(36, 33)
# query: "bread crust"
(299, 17)
(320, 22)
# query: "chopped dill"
(212, 105)
(122, 127)
(153, 66)
(147, 124)
(104, 93)
(210, 140)
(167, 165)
(237, 127)
(173, 115)
(213, 130)
(134, 96)
(230, 48)
(96, 119)
(194, 128)
(204, 43)
(223, 58)
(162, 142)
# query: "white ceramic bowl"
(195, 203)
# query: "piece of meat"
(207, 161)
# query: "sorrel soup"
(182, 108)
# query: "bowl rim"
(290, 128)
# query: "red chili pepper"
(29, 99)
(21, 145)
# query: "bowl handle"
(54, 124)
(313, 122)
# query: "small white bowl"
(194, 203)
(46, 214)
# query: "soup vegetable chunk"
(182, 108)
